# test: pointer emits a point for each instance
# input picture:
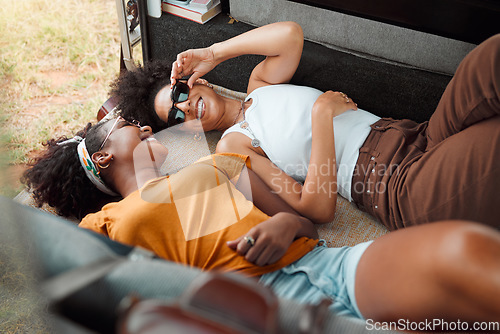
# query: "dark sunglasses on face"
(180, 93)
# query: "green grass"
(21, 307)
(57, 59)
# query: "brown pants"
(447, 168)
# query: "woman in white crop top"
(308, 145)
(307, 117)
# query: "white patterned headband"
(88, 165)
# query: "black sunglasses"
(180, 93)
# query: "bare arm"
(280, 42)
(274, 236)
(255, 190)
(316, 199)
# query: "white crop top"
(280, 118)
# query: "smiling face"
(132, 144)
(203, 105)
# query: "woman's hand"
(194, 62)
(281, 43)
(334, 102)
(271, 239)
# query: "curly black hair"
(136, 91)
(57, 178)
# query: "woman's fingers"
(193, 78)
(176, 72)
(254, 251)
(233, 244)
(261, 258)
(179, 66)
(244, 244)
(264, 244)
(260, 253)
(348, 101)
(194, 63)
(264, 253)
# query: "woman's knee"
(488, 53)
(492, 42)
(465, 248)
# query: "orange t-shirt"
(188, 217)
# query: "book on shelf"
(178, 2)
(192, 13)
(201, 4)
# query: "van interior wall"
(386, 87)
(359, 35)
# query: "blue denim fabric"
(322, 273)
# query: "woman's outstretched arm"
(273, 237)
(280, 42)
(316, 199)
(256, 191)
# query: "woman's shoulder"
(233, 140)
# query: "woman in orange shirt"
(202, 216)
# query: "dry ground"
(57, 59)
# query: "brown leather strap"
(213, 303)
(107, 107)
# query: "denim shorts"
(322, 273)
